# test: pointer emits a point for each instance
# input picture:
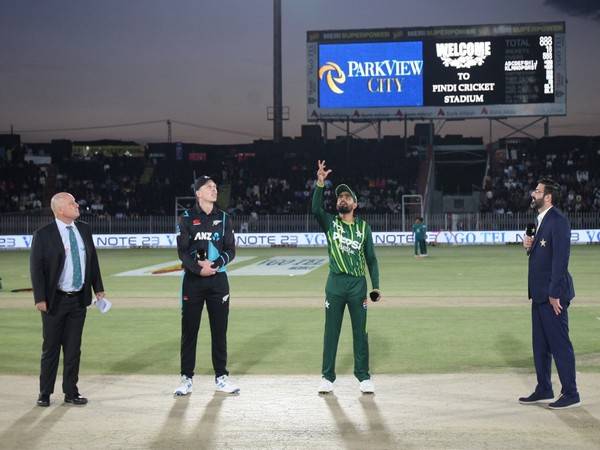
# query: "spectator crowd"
(266, 182)
(514, 175)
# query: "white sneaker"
(367, 387)
(224, 385)
(185, 387)
(326, 386)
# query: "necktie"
(75, 257)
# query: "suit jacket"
(549, 260)
(47, 260)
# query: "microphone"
(530, 231)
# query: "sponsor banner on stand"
(255, 240)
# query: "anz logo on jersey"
(206, 236)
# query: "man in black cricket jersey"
(206, 245)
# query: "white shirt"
(65, 282)
(540, 217)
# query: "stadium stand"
(571, 160)
(264, 178)
(21, 185)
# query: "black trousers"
(62, 328)
(214, 292)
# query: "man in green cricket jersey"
(350, 246)
(420, 234)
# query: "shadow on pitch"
(33, 426)
(172, 427)
(204, 434)
(377, 435)
(351, 435)
(172, 433)
(582, 422)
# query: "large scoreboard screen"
(438, 72)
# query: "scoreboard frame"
(467, 71)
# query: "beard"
(536, 204)
(344, 208)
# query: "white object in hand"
(103, 305)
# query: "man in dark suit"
(551, 291)
(64, 269)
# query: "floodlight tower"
(277, 94)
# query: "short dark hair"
(551, 188)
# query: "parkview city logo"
(333, 74)
(463, 55)
(383, 76)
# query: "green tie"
(75, 258)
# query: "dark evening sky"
(82, 63)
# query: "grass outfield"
(289, 341)
(448, 272)
(416, 339)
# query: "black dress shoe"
(75, 399)
(43, 400)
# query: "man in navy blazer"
(64, 270)
(551, 291)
